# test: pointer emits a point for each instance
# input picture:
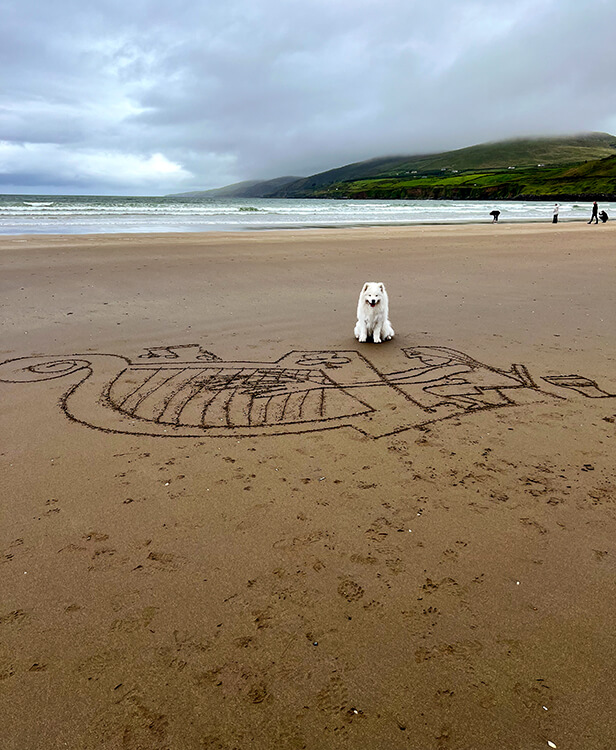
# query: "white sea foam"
(21, 214)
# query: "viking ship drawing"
(186, 391)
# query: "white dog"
(373, 313)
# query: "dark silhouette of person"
(595, 211)
(603, 216)
(494, 215)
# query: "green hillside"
(507, 169)
(593, 179)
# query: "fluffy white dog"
(373, 313)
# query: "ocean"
(53, 214)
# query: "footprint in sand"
(350, 590)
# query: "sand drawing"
(187, 391)
(585, 386)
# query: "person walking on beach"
(595, 212)
(555, 214)
(494, 215)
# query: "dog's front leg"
(361, 332)
(376, 333)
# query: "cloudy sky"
(147, 97)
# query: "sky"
(144, 97)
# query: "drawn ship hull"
(169, 397)
(185, 391)
(229, 396)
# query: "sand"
(226, 524)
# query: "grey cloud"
(238, 90)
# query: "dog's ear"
(365, 287)
(381, 287)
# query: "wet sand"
(226, 524)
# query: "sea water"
(53, 214)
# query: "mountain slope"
(222, 192)
(245, 189)
(517, 153)
(588, 181)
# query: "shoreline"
(90, 216)
(299, 230)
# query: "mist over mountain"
(522, 167)
(520, 153)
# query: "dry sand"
(377, 584)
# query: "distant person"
(555, 214)
(603, 216)
(595, 211)
(494, 215)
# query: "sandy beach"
(227, 525)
